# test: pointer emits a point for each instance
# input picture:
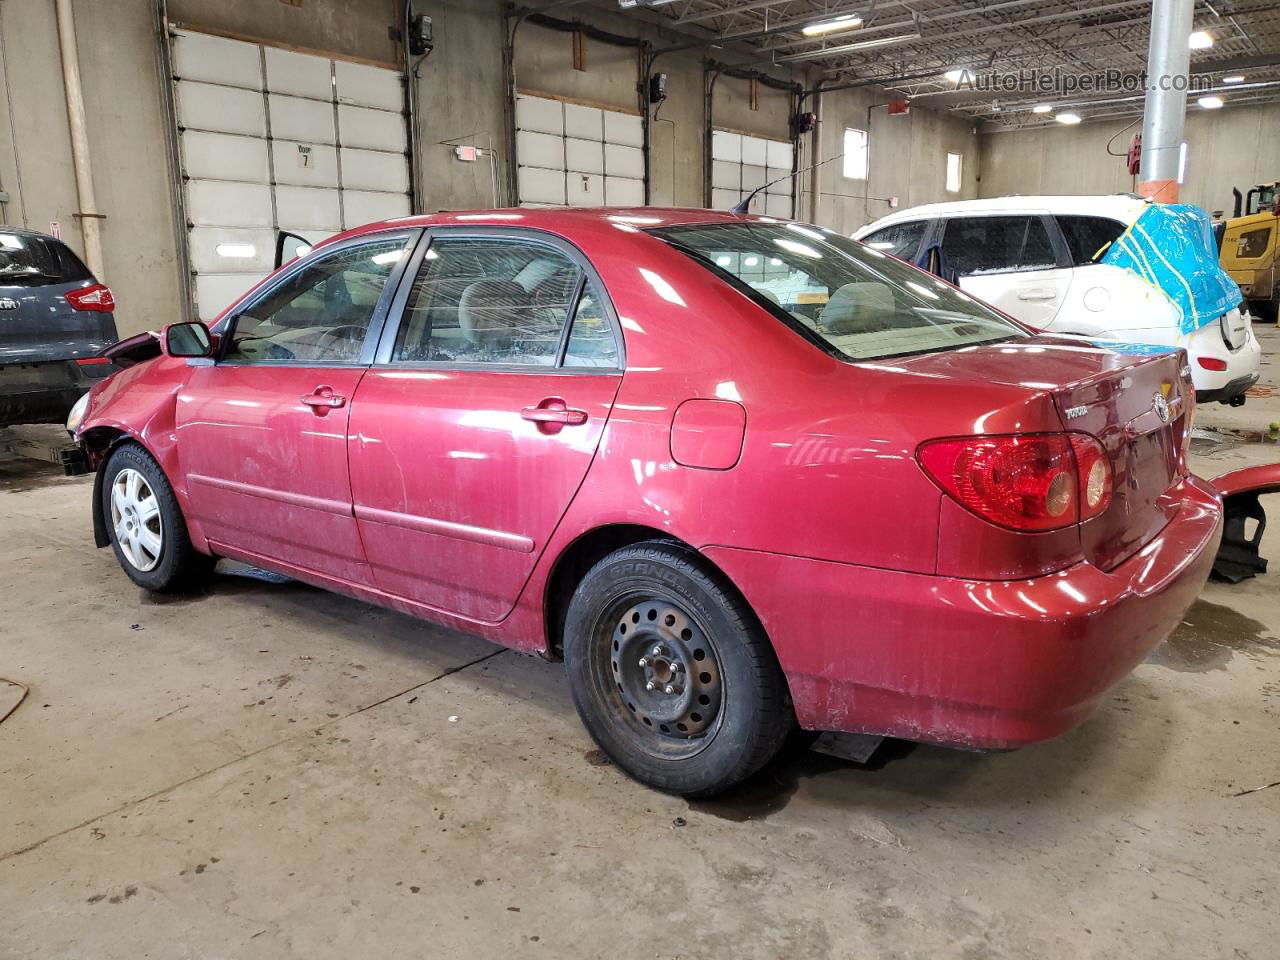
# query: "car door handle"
(1038, 293)
(323, 399)
(552, 414)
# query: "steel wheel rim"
(136, 520)
(663, 675)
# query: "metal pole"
(1168, 66)
(88, 214)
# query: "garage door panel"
(752, 177)
(783, 178)
(725, 199)
(541, 186)
(623, 192)
(374, 170)
(227, 203)
(776, 205)
(304, 164)
(232, 250)
(217, 291)
(620, 161)
(540, 150)
(361, 206)
(206, 106)
(778, 154)
(199, 56)
(372, 129)
(299, 74)
(726, 146)
(623, 128)
(306, 121)
(584, 190)
(366, 86)
(540, 115)
(308, 208)
(585, 123)
(216, 156)
(754, 151)
(726, 175)
(584, 156)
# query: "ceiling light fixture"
(846, 22)
(1070, 119)
(1042, 108)
(956, 74)
(847, 48)
(1234, 78)
(1201, 40)
(1211, 103)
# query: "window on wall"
(855, 154)
(955, 172)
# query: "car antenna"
(742, 208)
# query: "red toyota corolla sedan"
(740, 474)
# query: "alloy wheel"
(136, 520)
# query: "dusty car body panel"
(891, 608)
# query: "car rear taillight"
(96, 298)
(1028, 482)
(1212, 363)
(92, 361)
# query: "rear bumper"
(970, 663)
(1227, 392)
(45, 392)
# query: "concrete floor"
(271, 771)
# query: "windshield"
(853, 301)
(36, 260)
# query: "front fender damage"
(1239, 557)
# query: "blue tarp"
(1171, 247)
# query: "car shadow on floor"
(1130, 731)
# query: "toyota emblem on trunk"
(8, 304)
(1161, 406)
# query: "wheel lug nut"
(668, 689)
(642, 662)
(677, 666)
(656, 651)
(650, 685)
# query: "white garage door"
(740, 164)
(270, 139)
(579, 156)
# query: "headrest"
(859, 308)
(492, 310)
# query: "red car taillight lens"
(1031, 482)
(96, 298)
(1212, 363)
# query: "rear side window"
(504, 301)
(900, 240)
(1088, 238)
(1253, 244)
(37, 261)
(976, 245)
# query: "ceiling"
(906, 46)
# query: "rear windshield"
(855, 302)
(33, 261)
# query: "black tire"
(656, 611)
(175, 565)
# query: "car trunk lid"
(1132, 399)
(37, 324)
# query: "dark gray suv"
(54, 319)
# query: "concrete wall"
(907, 158)
(118, 61)
(462, 97)
(1225, 148)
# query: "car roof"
(25, 232)
(561, 220)
(1125, 207)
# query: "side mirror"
(290, 246)
(186, 340)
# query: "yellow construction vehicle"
(1250, 248)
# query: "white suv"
(1034, 258)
